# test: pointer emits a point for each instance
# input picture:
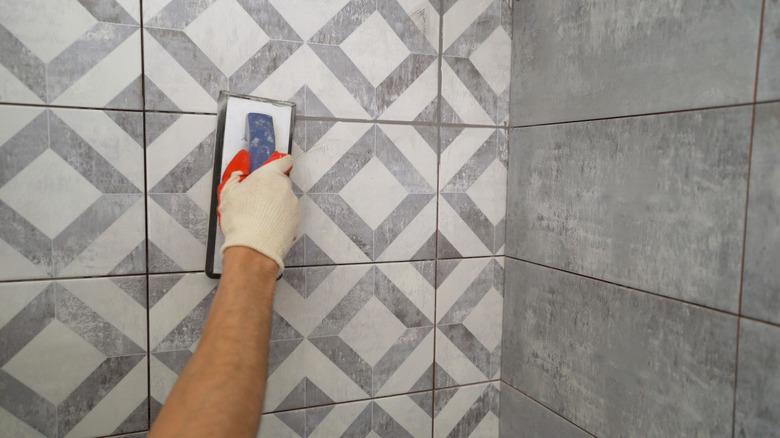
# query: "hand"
(260, 211)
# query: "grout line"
(381, 397)
(655, 294)
(365, 399)
(628, 116)
(82, 277)
(436, 226)
(297, 117)
(400, 122)
(146, 227)
(464, 385)
(192, 113)
(506, 192)
(125, 434)
(200, 271)
(47, 106)
(546, 407)
(745, 217)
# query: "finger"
(281, 165)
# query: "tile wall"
(388, 317)
(642, 290)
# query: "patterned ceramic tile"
(368, 192)
(340, 333)
(345, 58)
(71, 52)
(401, 416)
(467, 411)
(71, 193)
(472, 192)
(468, 331)
(73, 357)
(475, 71)
(178, 306)
(179, 170)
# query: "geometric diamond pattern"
(477, 44)
(54, 179)
(337, 164)
(472, 191)
(316, 356)
(179, 156)
(73, 357)
(467, 411)
(368, 193)
(354, 59)
(469, 305)
(55, 51)
(86, 169)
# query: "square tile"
(472, 192)
(521, 416)
(614, 361)
(368, 192)
(180, 160)
(70, 52)
(467, 411)
(476, 64)
(71, 193)
(321, 324)
(341, 58)
(768, 79)
(761, 287)
(73, 357)
(758, 381)
(652, 202)
(400, 416)
(469, 304)
(607, 61)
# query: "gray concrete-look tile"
(761, 293)
(523, 417)
(758, 384)
(614, 361)
(768, 77)
(656, 202)
(630, 57)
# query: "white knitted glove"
(260, 212)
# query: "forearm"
(220, 391)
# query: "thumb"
(234, 179)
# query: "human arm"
(220, 391)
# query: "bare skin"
(220, 391)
